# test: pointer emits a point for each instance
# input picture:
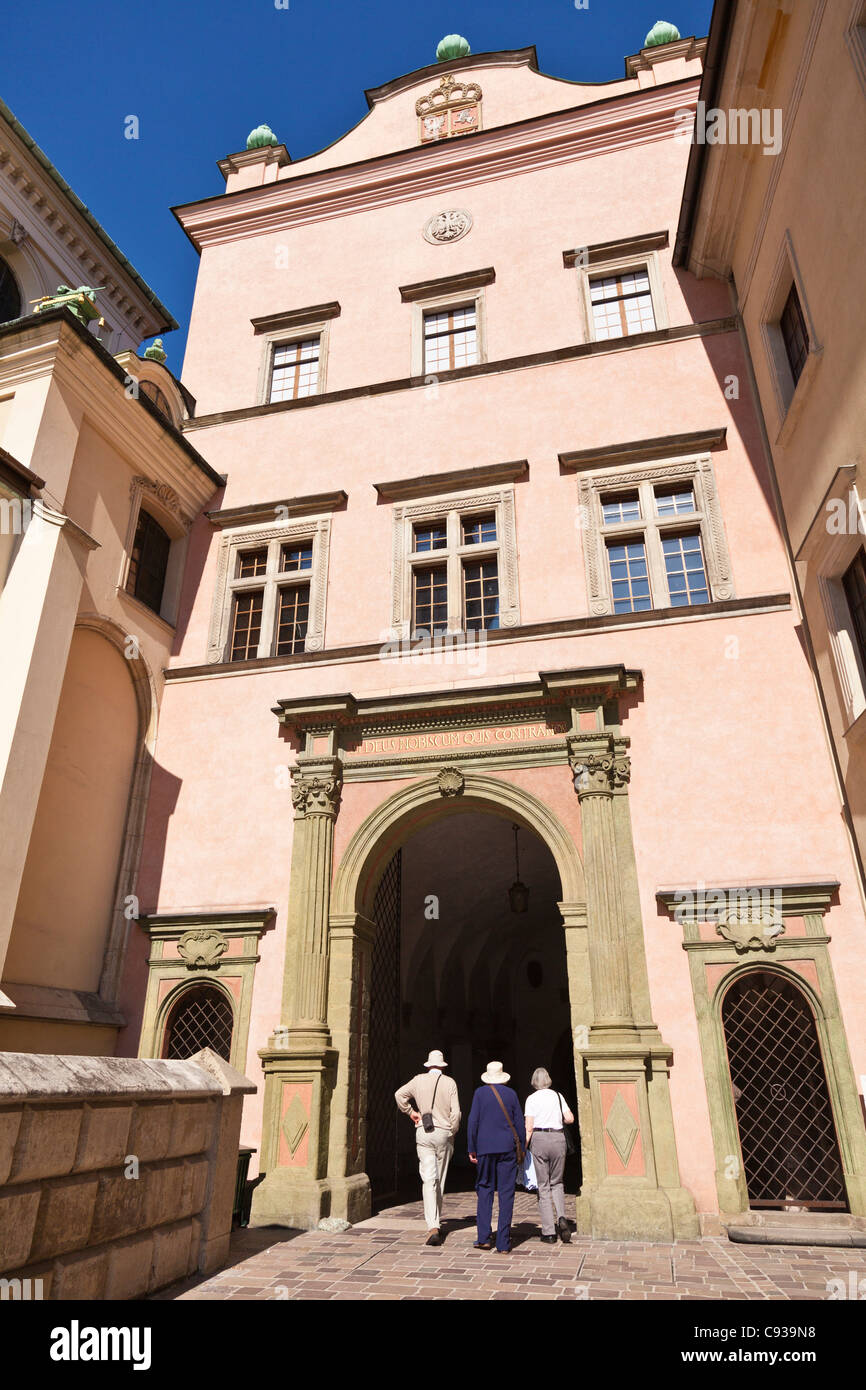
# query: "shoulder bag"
(517, 1144)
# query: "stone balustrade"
(117, 1175)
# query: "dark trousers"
(496, 1173)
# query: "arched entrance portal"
(784, 1116)
(453, 966)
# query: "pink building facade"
(496, 566)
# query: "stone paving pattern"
(385, 1258)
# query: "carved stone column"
(316, 799)
(595, 776)
(631, 1189)
(299, 1062)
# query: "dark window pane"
(854, 584)
(430, 600)
(293, 612)
(479, 530)
(252, 563)
(297, 557)
(795, 335)
(148, 562)
(246, 625)
(481, 595)
(430, 535)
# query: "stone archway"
(352, 930)
(312, 1141)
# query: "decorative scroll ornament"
(445, 227)
(316, 796)
(451, 782)
(452, 108)
(598, 774)
(751, 928)
(202, 948)
(164, 494)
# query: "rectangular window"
(629, 578)
(684, 566)
(622, 304)
(674, 501)
(148, 562)
(430, 599)
(481, 595)
(430, 536)
(795, 335)
(296, 557)
(450, 338)
(854, 585)
(295, 370)
(479, 530)
(246, 624)
(293, 612)
(252, 563)
(624, 507)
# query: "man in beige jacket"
(432, 1093)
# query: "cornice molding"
(242, 159)
(505, 58)
(613, 250)
(528, 632)
(283, 510)
(631, 119)
(697, 903)
(640, 450)
(448, 284)
(429, 485)
(296, 318)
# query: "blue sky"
(199, 74)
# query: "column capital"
(317, 791)
(599, 764)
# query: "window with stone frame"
(455, 564)
(622, 303)
(653, 538)
(450, 337)
(295, 369)
(270, 595)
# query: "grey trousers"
(548, 1151)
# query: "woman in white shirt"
(546, 1111)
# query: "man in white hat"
(497, 1140)
(431, 1102)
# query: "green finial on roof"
(261, 136)
(156, 352)
(452, 46)
(660, 33)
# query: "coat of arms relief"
(452, 108)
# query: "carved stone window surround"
(164, 505)
(406, 514)
(189, 949)
(315, 529)
(707, 518)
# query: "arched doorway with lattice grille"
(784, 1114)
(201, 1016)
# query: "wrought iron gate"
(383, 1060)
(787, 1134)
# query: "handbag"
(427, 1117)
(517, 1144)
(566, 1129)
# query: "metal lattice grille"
(787, 1135)
(202, 1017)
(384, 1054)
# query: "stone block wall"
(117, 1175)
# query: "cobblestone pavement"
(386, 1258)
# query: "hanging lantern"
(518, 893)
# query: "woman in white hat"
(546, 1115)
(430, 1100)
(497, 1137)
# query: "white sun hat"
(494, 1075)
(435, 1060)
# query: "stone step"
(775, 1233)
